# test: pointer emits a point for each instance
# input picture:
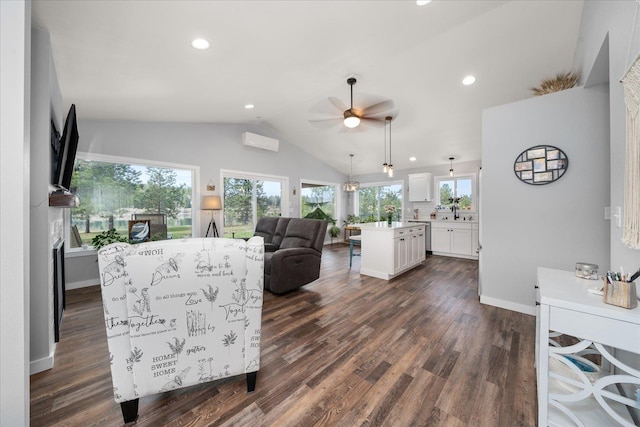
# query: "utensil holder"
(622, 294)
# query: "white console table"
(566, 307)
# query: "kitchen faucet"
(454, 207)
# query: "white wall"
(15, 39)
(554, 225)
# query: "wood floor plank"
(419, 350)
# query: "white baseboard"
(41, 364)
(81, 284)
(509, 305)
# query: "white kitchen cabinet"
(388, 251)
(420, 187)
(453, 239)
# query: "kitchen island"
(390, 250)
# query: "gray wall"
(526, 226)
(45, 222)
(211, 147)
(425, 208)
(615, 19)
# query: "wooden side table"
(350, 229)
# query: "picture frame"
(523, 166)
(534, 153)
(139, 230)
(540, 165)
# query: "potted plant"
(333, 230)
(106, 238)
(390, 211)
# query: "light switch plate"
(618, 216)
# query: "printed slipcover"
(181, 312)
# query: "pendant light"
(351, 185)
(385, 165)
(390, 167)
(451, 169)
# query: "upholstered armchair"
(293, 251)
(179, 313)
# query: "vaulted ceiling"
(132, 60)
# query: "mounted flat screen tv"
(64, 151)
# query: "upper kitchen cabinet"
(420, 187)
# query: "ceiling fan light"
(351, 120)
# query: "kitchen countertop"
(474, 221)
(384, 226)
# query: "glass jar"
(585, 270)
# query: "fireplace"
(59, 301)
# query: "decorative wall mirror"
(540, 165)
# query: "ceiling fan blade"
(326, 123)
(378, 108)
(371, 122)
(337, 103)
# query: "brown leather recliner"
(293, 250)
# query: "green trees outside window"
(372, 199)
(246, 199)
(110, 193)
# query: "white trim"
(82, 284)
(336, 199)
(43, 364)
(474, 189)
(400, 182)
(508, 305)
(79, 252)
(284, 197)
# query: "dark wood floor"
(347, 350)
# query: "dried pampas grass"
(556, 84)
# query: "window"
(460, 188)
(318, 195)
(373, 197)
(113, 189)
(249, 197)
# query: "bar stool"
(354, 241)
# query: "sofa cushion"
(281, 230)
(300, 233)
(266, 228)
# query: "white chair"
(181, 312)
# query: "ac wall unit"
(258, 141)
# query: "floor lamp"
(212, 203)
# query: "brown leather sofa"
(293, 250)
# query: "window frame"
(284, 198)
(474, 190)
(381, 184)
(336, 196)
(107, 158)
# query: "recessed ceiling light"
(412, 159)
(200, 44)
(423, 2)
(249, 106)
(469, 80)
